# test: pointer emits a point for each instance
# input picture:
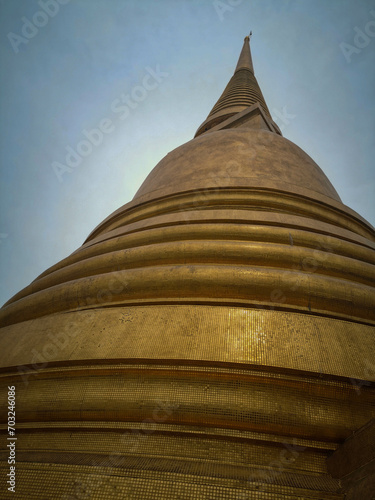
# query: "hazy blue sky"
(82, 60)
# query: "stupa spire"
(245, 60)
(241, 93)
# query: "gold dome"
(239, 159)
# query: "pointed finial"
(247, 38)
(245, 61)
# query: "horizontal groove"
(245, 102)
(337, 386)
(246, 199)
(214, 433)
(180, 466)
(215, 230)
(242, 90)
(240, 98)
(204, 283)
(251, 404)
(212, 252)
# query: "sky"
(146, 74)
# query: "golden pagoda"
(211, 339)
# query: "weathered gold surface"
(203, 333)
(149, 482)
(211, 339)
(354, 463)
(236, 157)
